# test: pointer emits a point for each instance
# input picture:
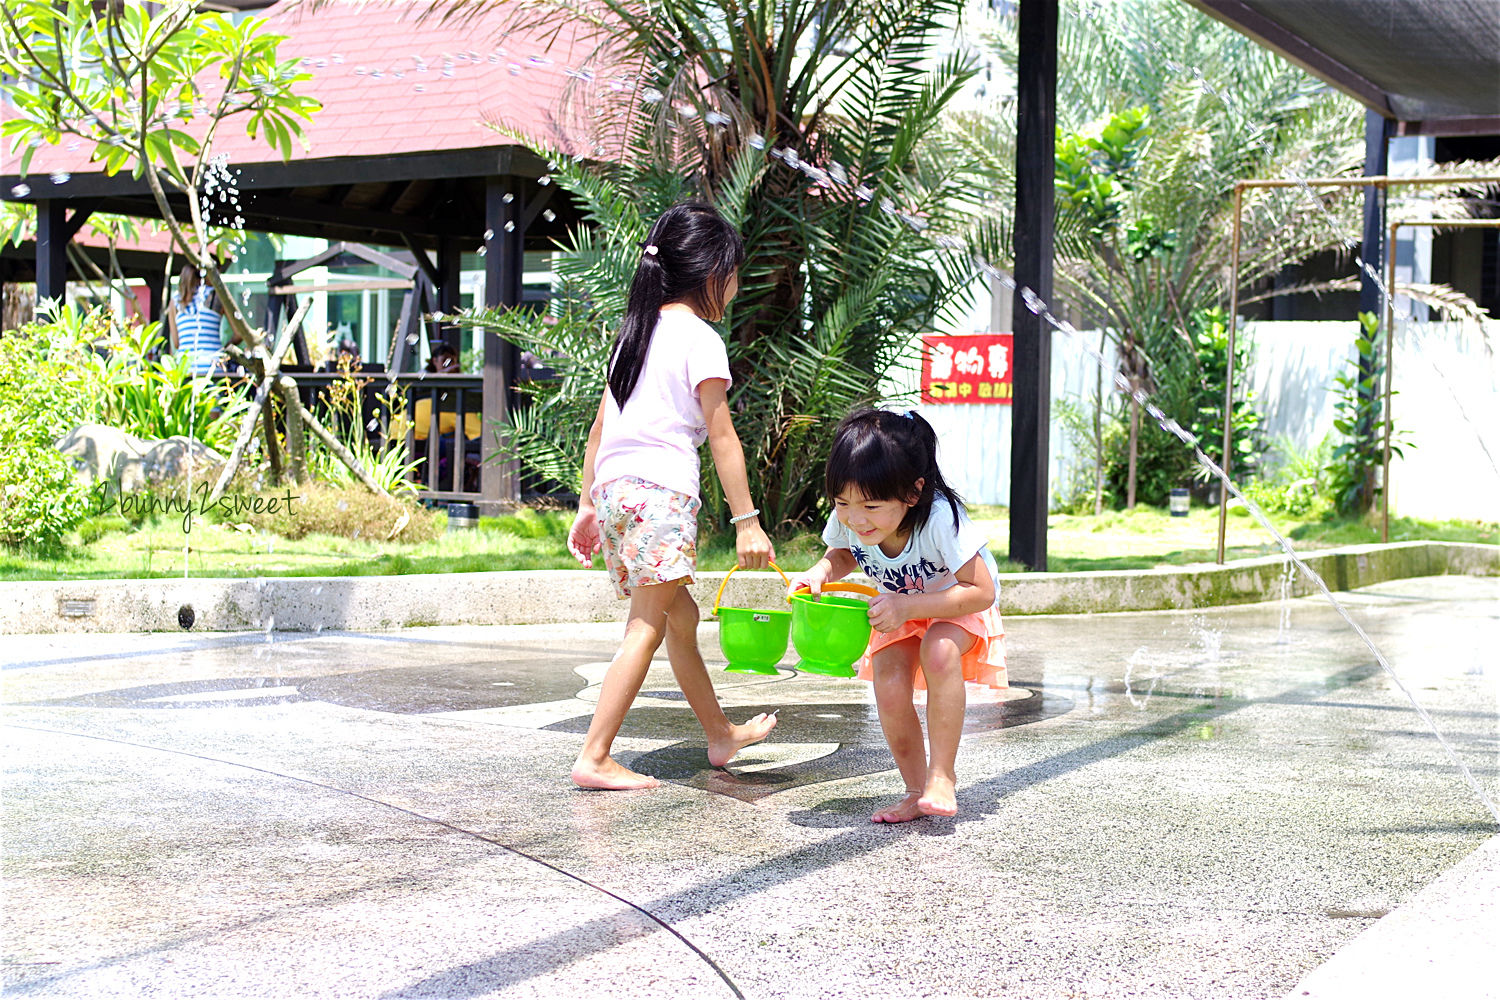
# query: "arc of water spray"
(1035, 304)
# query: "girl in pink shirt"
(668, 376)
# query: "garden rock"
(100, 453)
(168, 458)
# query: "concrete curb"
(307, 604)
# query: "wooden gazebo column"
(52, 237)
(504, 263)
(1036, 140)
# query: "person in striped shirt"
(194, 322)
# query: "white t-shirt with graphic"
(657, 435)
(933, 553)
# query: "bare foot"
(939, 798)
(722, 751)
(902, 812)
(610, 776)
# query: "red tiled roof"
(392, 83)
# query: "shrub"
(45, 386)
(349, 511)
(41, 499)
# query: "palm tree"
(1160, 110)
(802, 120)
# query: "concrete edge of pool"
(536, 597)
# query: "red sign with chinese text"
(974, 368)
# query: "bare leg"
(595, 768)
(894, 667)
(943, 648)
(724, 740)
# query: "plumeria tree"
(149, 88)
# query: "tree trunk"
(273, 444)
(296, 440)
(1135, 430)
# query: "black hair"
(690, 255)
(883, 454)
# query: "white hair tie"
(651, 248)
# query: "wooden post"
(504, 263)
(1035, 165)
(51, 250)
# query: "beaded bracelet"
(745, 517)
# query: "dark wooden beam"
(267, 211)
(504, 263)
(419, 254)
(1036, 127)
(488, 161)
(51, 250)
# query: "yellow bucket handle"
(848, 588)
(784, 579)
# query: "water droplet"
(508, 198)
(544, 180)
(373, 426)
(510, 227)
(549, 215)
(652, 96)
(539, 60)
(863, 193)
(514, 68)
(411, 338)
(716, 118)
(61, 177)
(420, 88)
(482, 251)
(21, 190)
(489, 234)
(756, 140)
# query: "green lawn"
(1142, 539)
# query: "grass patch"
(110, 547)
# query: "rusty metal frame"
(1382, 182)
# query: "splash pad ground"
(1225, 802)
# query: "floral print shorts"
(649, 533)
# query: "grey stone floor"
(1196, 804)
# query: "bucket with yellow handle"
(830, 633)
(753, 640)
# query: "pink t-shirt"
(656, 437)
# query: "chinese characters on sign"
(966, 369)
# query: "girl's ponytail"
(933, 485)
(689, 256)
(647, 295)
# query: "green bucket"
(753, 640)
(830, 633)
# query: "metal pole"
(1390, 343)
(1234, 308)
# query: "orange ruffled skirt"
(984, 663)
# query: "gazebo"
(399, 156)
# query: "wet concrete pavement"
(1196, 804)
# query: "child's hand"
(752, 545)
(583, 537)
(888, 612)
(813, 580)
